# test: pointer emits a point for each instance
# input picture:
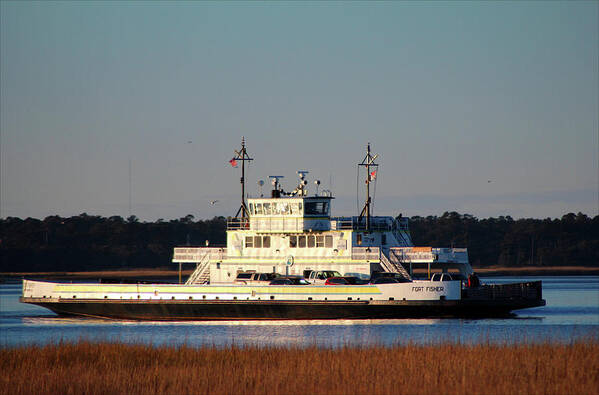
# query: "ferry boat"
(282, 252)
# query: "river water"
(571, 313)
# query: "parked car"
(254, 278)
(385, 280)
(289, 280)
(397, 276)
(320, 276)
(346, 280)
(441, 277)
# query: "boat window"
(359, 238)
(252, 208)
(294, 209)
(311, 241)
(266, 242)
(287, 207)
(319, 241)
(249, 242)
(299, 210)
(328, 241)
(301, 241)
(258, 208)
(292, 241)
(316, 208)
(267, 209)
(257, 242)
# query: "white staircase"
(201, 274)
(394, 265)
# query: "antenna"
(243, 156)
(130, 187)
(260, 183)
(301, 188)
(368, 162)
(317, 182)
(276, 191)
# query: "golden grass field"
(109, 368)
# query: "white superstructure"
(290, 233)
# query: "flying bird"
(213, 202)
(189, 142)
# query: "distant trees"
(571, 240)
(87, 242)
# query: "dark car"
(385, 280)
(289, 280)
(397, 276)
(344, 281)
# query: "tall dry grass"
(88, 368)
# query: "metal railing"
(238, 223)
(447, 255)
(376, 223)
(528, 290)
(197, 254)
(366, 253)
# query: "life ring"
(289, 260)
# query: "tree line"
(87, 242)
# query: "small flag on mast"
(373, 175)
(233, 162)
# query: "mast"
(368, 162)
(243, 156)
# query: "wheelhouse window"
(258, 208)
(316, 208)
(292, 241)
(249, 242)
(266, 241)
(267, 210)
(257, 241)
(311, 241)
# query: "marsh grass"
(115, 368)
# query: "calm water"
(572, 312)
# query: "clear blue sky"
(451, 96)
